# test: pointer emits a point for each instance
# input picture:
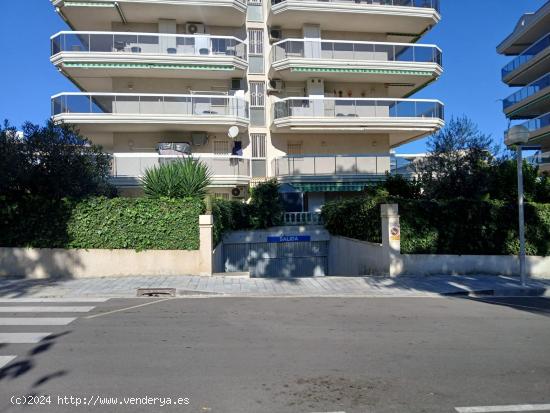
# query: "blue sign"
(288, 238)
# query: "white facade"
(319, 90)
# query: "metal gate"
(278, 259)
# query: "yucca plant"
(185, 178)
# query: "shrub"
(445, 227)
(230, 216)
(266, 205)
(183, 178)
(118, 223)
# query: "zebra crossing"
(20, 316)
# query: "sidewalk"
(126, 287)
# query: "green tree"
(51, 161)
(458, 163)
(266, 205)
(503, 180)
(185, 178)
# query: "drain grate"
(156, 292)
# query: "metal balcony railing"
(528, 91)
(330, 165)
(149, 104)
(527, 55)
(134, 165)
(148, 43)
(430, 4)
(358, 108)
(355, 51)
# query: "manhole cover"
(156, 292)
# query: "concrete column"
(206, 225)
(391, 238)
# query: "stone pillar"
(391, 238)
(206, 225)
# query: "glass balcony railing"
(355, 51)
(429, 4)
(134, 165)
(538, 123)
(319, 165)
(149, 104)
(527, 55)
(358, 108)
(528, 91)
(148, 43)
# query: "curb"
(503, 292)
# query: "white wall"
(350, 257)
(470, 264)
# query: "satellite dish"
(233, 132)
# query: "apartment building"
(529, 72)
(316, 93)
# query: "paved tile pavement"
(247, 287)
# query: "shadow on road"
(27, 363)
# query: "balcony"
(226, 171)
(531, 26)
(128, 112)
(530, 101)
(408, 18)
(100, 14)
(402, 119)
(529, 65)
(404, 67)
(89, 56)
(539, 130)
(331, 167)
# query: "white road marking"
(504, 409)
(5, 360)
(127, 308)
(36, 321)
(53, 300)
(22, 338)
(46, 309)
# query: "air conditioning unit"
(199, 138)
(195, 28)
(238, 192)
(276, 85)
(275, 35)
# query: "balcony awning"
(331, 186)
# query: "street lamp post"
(519, 135)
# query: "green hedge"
(445, 227)
(230, 216)
(102, 223)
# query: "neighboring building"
(319, 90)
(529, 70)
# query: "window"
(255, 11)
(219, 195)
(294, 148)
(257, 103)
(256, 41)
(256, 51)
(221, 147)
(258, 145)
(257, 94)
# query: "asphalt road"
(280, 355)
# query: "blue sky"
(468, 34)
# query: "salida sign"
(288, 238)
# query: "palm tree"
(183, 178)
